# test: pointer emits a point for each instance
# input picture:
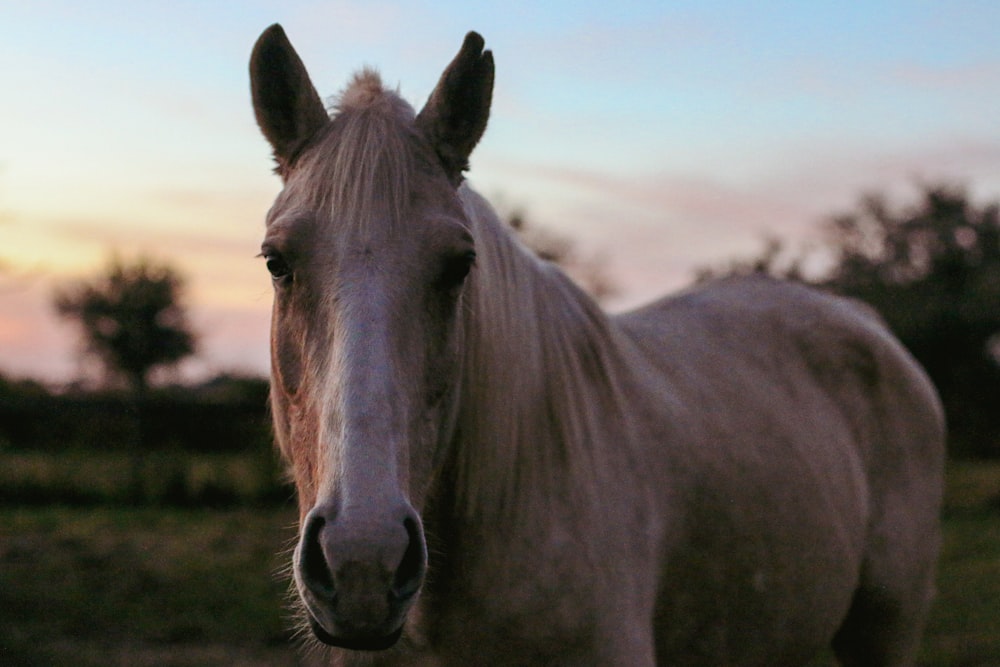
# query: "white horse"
(491, 470)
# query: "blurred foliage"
(932, 269)
(225, 414)
(131, 319)
(207, 445)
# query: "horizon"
(659, 140)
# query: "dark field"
(113, 586)
(109, 585)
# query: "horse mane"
(542, 376)
(359, 171)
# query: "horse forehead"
(432, 221)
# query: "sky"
(659, 136)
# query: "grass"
(113, 586)
(157, 477)
(110, 585)
(964, 627)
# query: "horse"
(492, 470)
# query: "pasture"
(112, 585)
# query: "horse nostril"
(410, 572)
(312, 560)
(346, 566)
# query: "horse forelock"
(358, 175)
(364, 91)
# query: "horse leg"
(886, 619)
(885, 622)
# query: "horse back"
(785, 344)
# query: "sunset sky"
(662, 136)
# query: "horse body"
(493, 471)
(810, 456)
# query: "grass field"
(157, 477)
(111, 586)
(964, 628)
(118, 586)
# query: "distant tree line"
(205, 445)
(932, 269)
(224, 414)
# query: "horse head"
(370, 252)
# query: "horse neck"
(541, 361)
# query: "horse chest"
(517, 600)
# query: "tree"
(932, 269)
(132, 319)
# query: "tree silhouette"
(932, 269)
(132, 319)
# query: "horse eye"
(277, 266)
(456, 268)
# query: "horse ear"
(289, 111)
(455, 116)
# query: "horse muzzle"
(358, 577)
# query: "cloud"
(631, 49)
(675, 197)
(233, 338)
(152, 240)
(978, 75)
(33, 341)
